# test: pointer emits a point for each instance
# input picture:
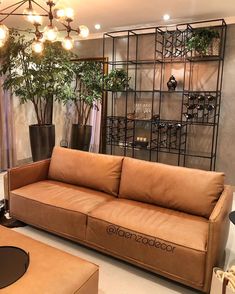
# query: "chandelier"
(65, 16)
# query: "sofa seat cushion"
(172, 243)
(189, 190)
(96, 171)
(56, 206)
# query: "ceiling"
(116, 14)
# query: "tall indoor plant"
(86, 96)
(89, 81)
(37, 78)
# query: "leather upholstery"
(180, 214)
(189, 190)
(154, 236)
(218, 234)
(57, 206)
(50, 270)
(96, 171)
(28, 174)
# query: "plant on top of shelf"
(201, 40)
(116, 80)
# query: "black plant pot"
(80, 137)
(42, 141)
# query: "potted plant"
(37, 78)
(201, 40)
(89, 81)
(86, 95)
(116, 80)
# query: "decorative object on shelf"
(156, 117)
(117, 80)
(200, 107)
(131, 115)
(64, 16)
(201, 40)
(168, 135)
(201, 98)
(190, 106)
(210, 98)
(210, 107)
(190, 116)
(172, 83)
(141, 142)
(39, 81)
(192, 97)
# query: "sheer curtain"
(7, 146)
(95, 122)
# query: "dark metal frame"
(169, 47)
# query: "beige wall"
(93, 48)
(226, 144)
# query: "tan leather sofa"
(170, 220)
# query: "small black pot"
(42, 141)
(80, 137)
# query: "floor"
(117, 277)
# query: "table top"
(14, 263)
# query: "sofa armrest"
(218, 233)
(28, 174)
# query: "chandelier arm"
(10, 13)
(21, 14)
(40, 6)
(22, 1)
(67, 27)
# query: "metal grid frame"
(169, 47)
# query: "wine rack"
(147, 120)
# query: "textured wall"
(93, 48)
(226, 144)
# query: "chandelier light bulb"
(68, 43)
(4, 33)
(59, 13)
(29, 14)
(83, 31)
(69, 13)
(50, 33)
(37, 20)
(2, 43)
(37, 46)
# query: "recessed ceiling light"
(97, 26)
(166, 17)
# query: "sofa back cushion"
(188, 190)
(95, 171)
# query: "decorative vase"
(42, 141)
(172, 83)
(80, 137)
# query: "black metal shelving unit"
(147, 121)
